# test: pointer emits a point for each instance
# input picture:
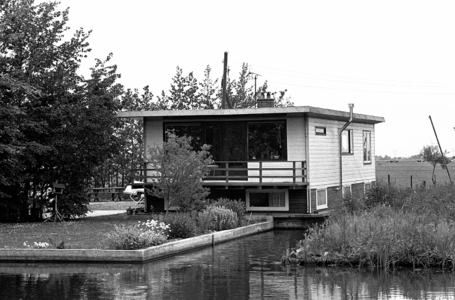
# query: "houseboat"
(294, 160)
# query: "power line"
(348, 77)
(362, 91)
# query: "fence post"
(388, 179)
(411, 181)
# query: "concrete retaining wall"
(131, 256)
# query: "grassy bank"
(81, 234)
(119, 232)
(390, 227)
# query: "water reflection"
(247, 268)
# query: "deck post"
(227, 171)
(293, 171)
(260, 172)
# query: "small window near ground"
(320, 130)
(367, 147)
(270, 200)
(321, 199)
(367, 187)
(347, 142)
(347, 191)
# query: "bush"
(383, 194)
(219, 218)
(238, 207)
(133, 238)
(181, 225)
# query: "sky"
(394, 59)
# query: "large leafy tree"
(56, 125)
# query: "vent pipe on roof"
(351, 115)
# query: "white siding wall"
(324, 158)
(296, 139)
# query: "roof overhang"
(292, 111)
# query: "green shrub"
(220, 218)
(182, 225)
(438, 201)
(132, 238)
(383, 194)
(236, 206)
(199, 205)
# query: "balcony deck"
(241, 174)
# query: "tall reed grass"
(390, 227)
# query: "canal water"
(247, 268)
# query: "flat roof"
(309, 111)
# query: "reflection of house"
(276, 159)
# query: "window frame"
(370, 161)
(321, 206)
(324, 129)
(350, 133)
(269, 208)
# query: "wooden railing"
(246, 171)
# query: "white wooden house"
(276, 159)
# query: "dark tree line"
(55, 125)
(58, 126)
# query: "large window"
(263, 200)
(267, 140)
(193, 130)
(347, 141)
(367, 147)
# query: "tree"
(242, 95)
(209, 90)
(57, 125)
(432, 155)
(184, 93)
(187, 93)
(179, 171)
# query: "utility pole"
(224, 81)
(440, 148)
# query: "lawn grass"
(80, 234)
(88, 233)
(401, 172)
(111, 205)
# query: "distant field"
(400, 172)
